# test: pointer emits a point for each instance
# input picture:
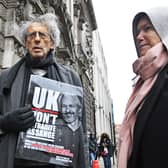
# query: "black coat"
(150, 139)
(109, 146)
(10, 95)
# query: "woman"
(106, 149)
(92, 148)
(143, 141)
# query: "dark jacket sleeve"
(111, 148)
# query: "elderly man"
(40, 36)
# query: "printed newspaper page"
(46, 141)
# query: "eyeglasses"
(42, 35)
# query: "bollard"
(95, 164)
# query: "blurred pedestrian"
(106, 149)
(92, 148)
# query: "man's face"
(38, 41)
(146, 36)
(70, 108)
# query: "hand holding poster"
(55, 137)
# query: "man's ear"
(26, 44)
(80, 112)
(52, 45)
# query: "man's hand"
(18, 120)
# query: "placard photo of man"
(71, 110)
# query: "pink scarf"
(147, 68)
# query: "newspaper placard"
(39, 142)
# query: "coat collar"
(9, 75)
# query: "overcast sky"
(114, 20)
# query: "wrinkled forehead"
(37, 26)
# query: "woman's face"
(146, 36)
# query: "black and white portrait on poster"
(55, 136)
